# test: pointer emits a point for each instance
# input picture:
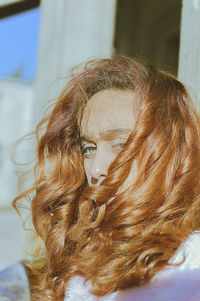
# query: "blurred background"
(40, 41)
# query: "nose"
(97, 174)
(98, 169)
(97, 177)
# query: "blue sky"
(19, 39)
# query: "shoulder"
(79, 289)
(175, 282)
(14, 284)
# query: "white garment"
(14, 285)
(181, 283)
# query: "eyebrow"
(107, 135)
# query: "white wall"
(189, 58)
(11, 237)
(16, 109)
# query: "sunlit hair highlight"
(116, 239)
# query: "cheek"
(131, 177)
(87, 167)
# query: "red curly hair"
(125, 242)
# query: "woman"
(117, 196)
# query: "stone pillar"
(189, 58)
(71, 33)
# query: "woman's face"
(107, 122)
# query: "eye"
(117, 144)
(88, 150)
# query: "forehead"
(108, 110)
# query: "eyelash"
(118, 146)
(85, 149)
